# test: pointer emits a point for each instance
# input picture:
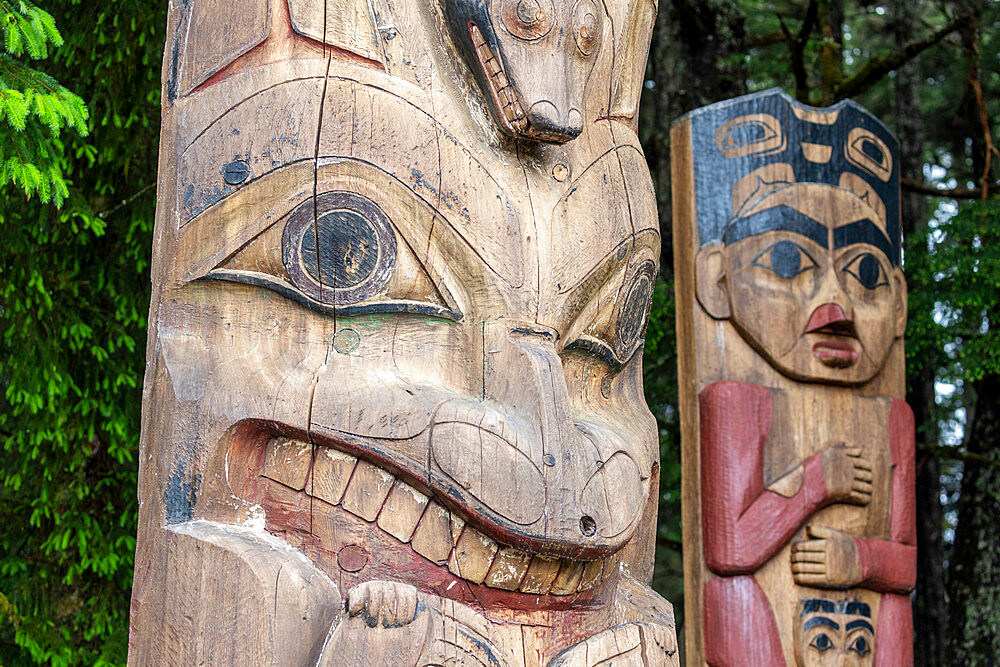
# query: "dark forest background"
(79, 124)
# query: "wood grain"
(797, 457)
(393, 409)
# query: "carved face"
(832, 633)
(806, 280)
(532, 59)
(393, 341)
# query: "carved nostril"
(547, 122)
(588, 526)
(574, 120)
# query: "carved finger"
(810, 545)
(357, 599)
(808, 568)
(406, 605)
(863, 464)
(808, 557)
(863, 475)
(859, 498)
(853, 451)
(862, 487)
(819, 532)
(809, 579)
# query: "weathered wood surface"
(393, 410)
(798, 451)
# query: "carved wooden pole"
(393, 410)
(798, 449)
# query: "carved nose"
(548, 123)
(831, 318)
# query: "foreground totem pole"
(798, 450)
(393, 412)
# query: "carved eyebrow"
(861, 623)
(862, 231)
(821, 620)
(812, 605)
(779, 218)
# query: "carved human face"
(832, 633)
(532, 59)
(807, 282)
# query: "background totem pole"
(393, 409)
(798, 450)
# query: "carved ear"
(900, 308)
(710, 275)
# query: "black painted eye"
(786, 259)
(635, 311)
(821, 643)
(867, 270)
(341, 250)
(860, 646)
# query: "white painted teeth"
(431, 530)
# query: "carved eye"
(346, 256)
(867, 270)
(635, 312)
(786, 259)
(860, 646)
(527, 19)
(586, 26)
(750, 135)
(867, 151)
(821, 643)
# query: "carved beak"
(541, 122)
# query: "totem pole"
(798, 452)
(393, 409)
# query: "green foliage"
(660, 385)
(34, 107)
(74, 292)
(955, 293)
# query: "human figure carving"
(806, 466)
(393, 411)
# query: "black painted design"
(867, 270)
(779, 218)
(737, 137)
(270, 282)
(350, 249)
(634, 314)
(181, 494)
(236, 172)
(339, 250)
(786, 259)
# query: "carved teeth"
(504, 94)
(431, 530)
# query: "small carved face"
(805, 277)
(532, 59)
(829, 633)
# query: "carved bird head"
(532, 60)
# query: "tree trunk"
(930, 604)
(974, 637)
(690, 66)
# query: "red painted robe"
(744, 525)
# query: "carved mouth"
(505, 98)
(835, 353)
(411, 517)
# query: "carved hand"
(847, 475)
(828, 559)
